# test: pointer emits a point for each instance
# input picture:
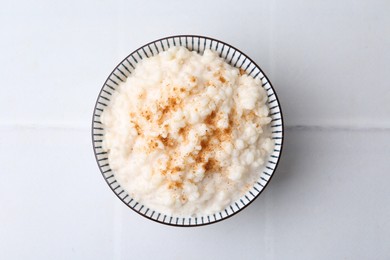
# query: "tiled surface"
(54, 204)
(328, 62)
(328, 200)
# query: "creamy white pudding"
(187, 132)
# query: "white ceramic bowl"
(198, 43)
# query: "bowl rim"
(281, 139)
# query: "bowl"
(232, 56)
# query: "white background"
(329, 62)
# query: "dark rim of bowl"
(281, 144)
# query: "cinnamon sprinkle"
(167, 142)
(175, 185)
(192, 79)
(137, 127)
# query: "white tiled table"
(329, 63)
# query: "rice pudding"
(187, 132)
